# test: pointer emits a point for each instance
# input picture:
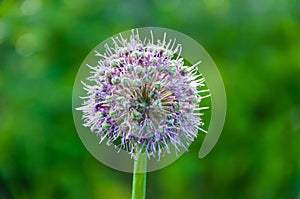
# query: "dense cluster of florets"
(143, 98)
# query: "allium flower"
(143, 98)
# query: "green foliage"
(256, 46)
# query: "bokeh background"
(256, 45)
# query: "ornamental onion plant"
(143, 98)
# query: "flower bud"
(137, 83)
(129, 68)
(156, 104)
(106, 125)
(151, 69)
(107, 73)
(171, 69)
(112, 113)
(108, 99)
(163, 131)
(153, 94)
(158, 86)
(125, 82)
(147, 79)
(114, 63)
(99, 114)
(139, 70)
(115, 80)
(136, 115)
(176, 106)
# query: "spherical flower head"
(143, 98)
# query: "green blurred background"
(255, 44)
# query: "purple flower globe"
(142, 97)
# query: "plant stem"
(139, 177)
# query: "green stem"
(139, 177)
